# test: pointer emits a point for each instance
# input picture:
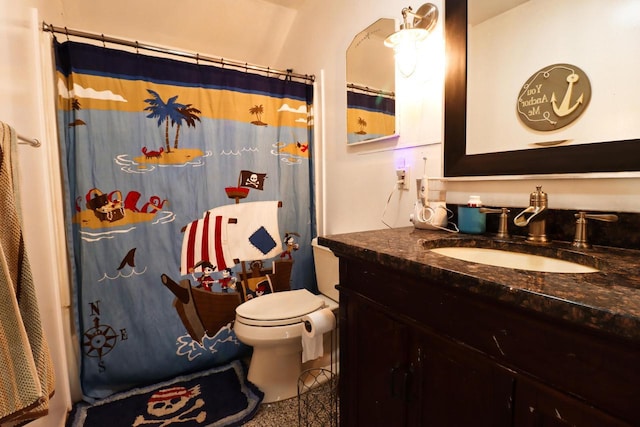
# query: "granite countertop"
(607, 300)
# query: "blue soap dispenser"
(470, 219)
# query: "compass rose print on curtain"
(179, 178)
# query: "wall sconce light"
(415, 27)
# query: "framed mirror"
(599, 156)
(371, 109)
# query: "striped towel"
(27, 380)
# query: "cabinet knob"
(404, 383)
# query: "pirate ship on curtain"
(244, 234)
(246, 181)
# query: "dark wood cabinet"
(461, 388)
(380, 361)
(417, 353)
(541, 406)
(400, 375)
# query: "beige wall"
(357, 181)
(246, 30)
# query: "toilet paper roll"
(314, 326)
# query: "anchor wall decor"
(553, 97)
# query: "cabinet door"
(461, 387)
(539, 406)
(375, 368)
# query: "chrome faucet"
(535, 216)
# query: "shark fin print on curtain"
(182, 181)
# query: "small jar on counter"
(474, 202)
(470, 219)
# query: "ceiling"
(477, 13)
(292, 4)
(489, 8)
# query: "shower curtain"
(369, 116)
(181, 179)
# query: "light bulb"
(404, 43)
(406, 60)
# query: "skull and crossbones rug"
(220, 396)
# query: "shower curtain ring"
(137, 47)
(197, 58)
(66, 31)
(103, 44)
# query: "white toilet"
(272, 325)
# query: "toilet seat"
(279, 308)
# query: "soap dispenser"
(471, 219)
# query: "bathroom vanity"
(430, 340)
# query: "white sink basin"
(500, 258)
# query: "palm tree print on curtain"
(171, 112)
(257, 110)
(152, 148)
(369, 116)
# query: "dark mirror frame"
(606, 156)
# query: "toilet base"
(276, 373)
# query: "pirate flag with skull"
(252, 179)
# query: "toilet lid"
(279, 308)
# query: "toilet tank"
(326, 264)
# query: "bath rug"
(221, 396)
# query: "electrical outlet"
(403, 178)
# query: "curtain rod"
(288, 74)
(367, 89)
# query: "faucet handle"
(599, 217)
(504, 218)
(580, 239)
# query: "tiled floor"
(278, 414)
(316, 408)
